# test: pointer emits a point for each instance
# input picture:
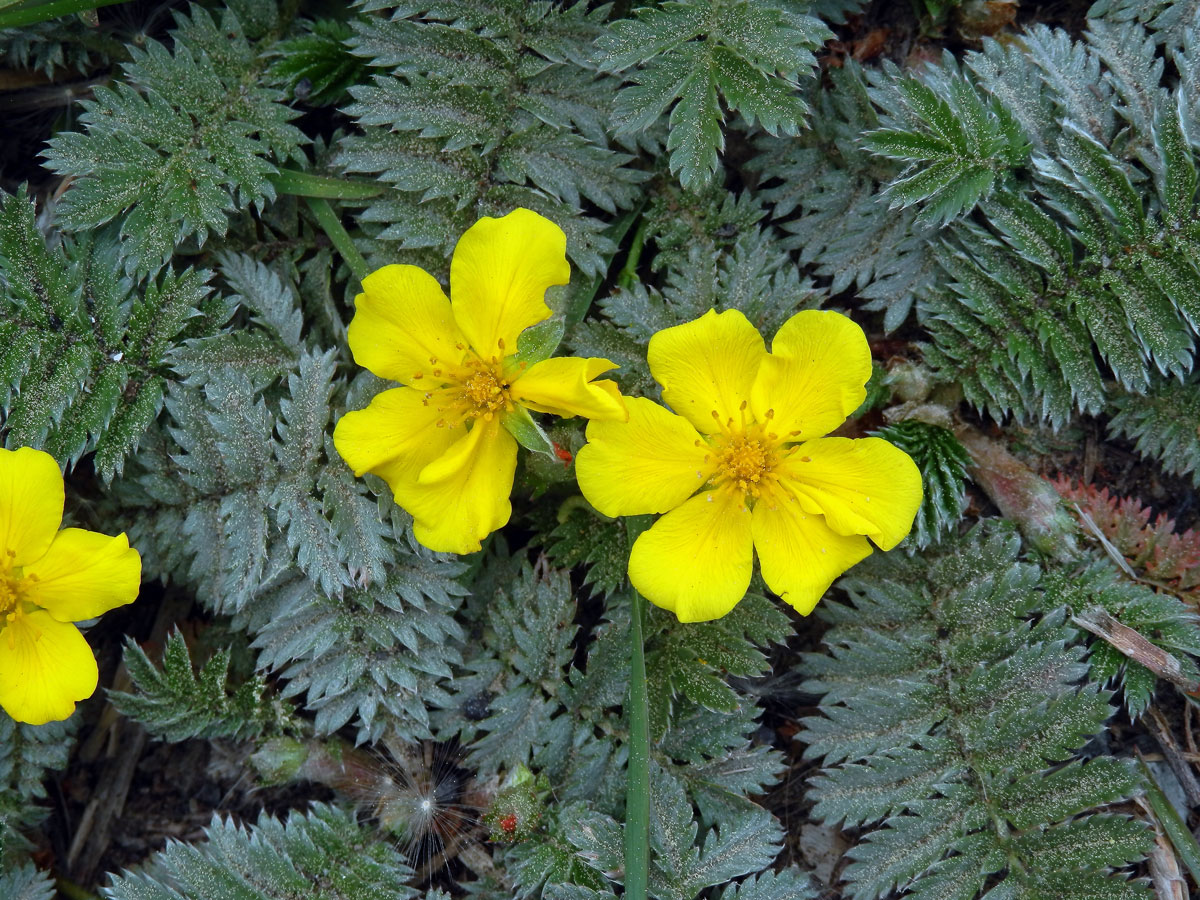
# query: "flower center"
(477, 390)
(12, 590)
(744, 462)
(745, 454)
(484, 392)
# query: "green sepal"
(527, 432)
(536, 343)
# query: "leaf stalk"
(342, 242)
(637, 792)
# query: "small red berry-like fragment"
(563, 454)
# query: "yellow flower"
(742, 464)
(49, 579)
(442, 442)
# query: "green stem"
(1175, 828)
(637, 791)
(629, 270)
(72, 891)
(29, 12)
(582, 301)
(306, 184)
(332, 225)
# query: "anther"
(433, 360)
(417, 376)
(500, 343)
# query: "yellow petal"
(403, 328)
(650, 464)
(396, 436)
(865, 486)
(815, 376)
(798, 553)
(463, 495)
(45, 667)
(696, 560)
(707, 364)
(31, 504)
(499, 275)
(84, 574)
(563, 386)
